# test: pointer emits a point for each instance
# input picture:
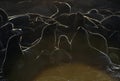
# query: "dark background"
(45, 7)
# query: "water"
(72, 72)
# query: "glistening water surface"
(72, 72)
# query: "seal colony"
(32, 42)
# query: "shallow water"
(72, 72)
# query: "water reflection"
(73, 72)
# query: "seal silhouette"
(94, 13)
(64, 43)
(62, 8)
(83, 52)
(3, 17)
(112, 23)
(12, 54)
